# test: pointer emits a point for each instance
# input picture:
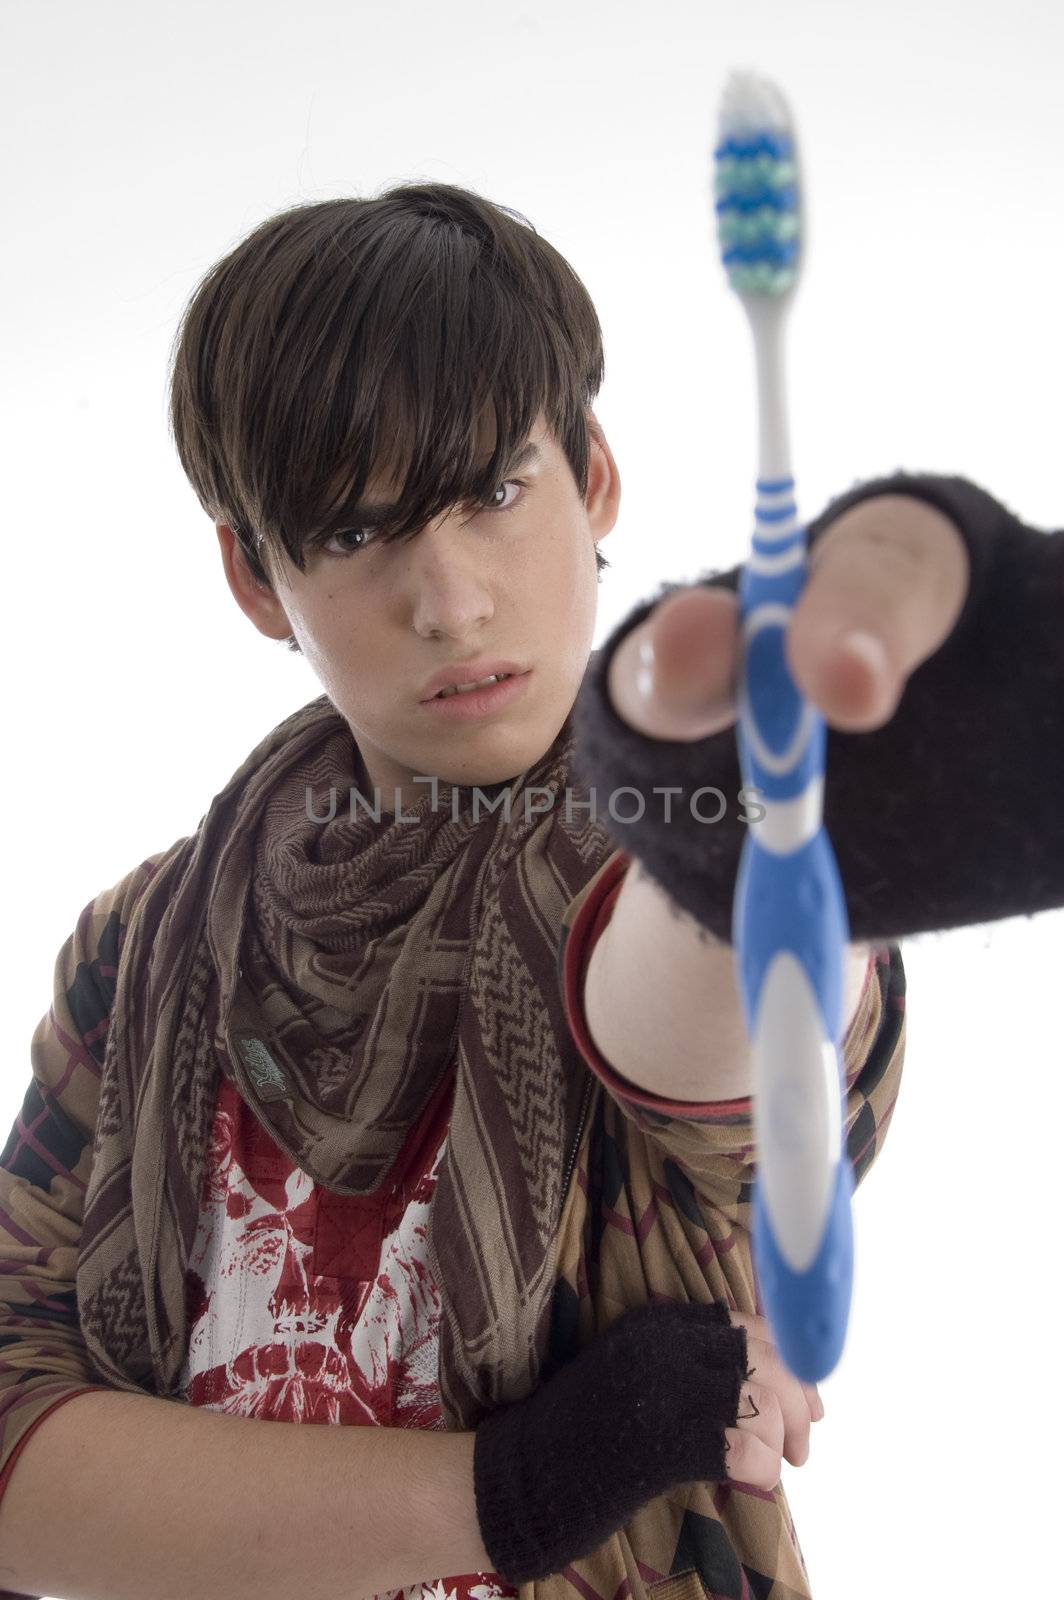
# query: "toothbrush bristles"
(758, 197)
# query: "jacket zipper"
(588, 1091)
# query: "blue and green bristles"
(756, 183)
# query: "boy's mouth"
(467, 688)
(464, 677)
(479, 699)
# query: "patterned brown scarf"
(334, 970)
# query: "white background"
(141, 143)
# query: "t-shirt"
(309, 1306)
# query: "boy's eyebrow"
(528, 454)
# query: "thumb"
(673, 677)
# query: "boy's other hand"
(776, 1411)
(892, 568)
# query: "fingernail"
(644, 673)
(871, 650)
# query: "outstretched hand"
(891, 570)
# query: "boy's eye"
(349, 534)
(346, 533)
(509, 483)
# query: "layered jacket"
(657, 1207)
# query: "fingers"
(773, 1369)
(749, 1460)
(673, 677)
(785, 1405)
(893, 569)
(763, 1437)
(887, 582)
(774, 1405)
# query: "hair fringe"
(350, 338)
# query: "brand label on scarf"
(269, 1079)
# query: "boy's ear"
(256, 600)
(603, 499)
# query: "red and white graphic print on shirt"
(308, 1306)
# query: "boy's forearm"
(662, 1003)
(123, 1497)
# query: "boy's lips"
(463, 672)
(472, 704)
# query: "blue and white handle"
(790, 933)
(789, 929)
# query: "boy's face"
(375, 624)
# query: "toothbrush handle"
(790, 932)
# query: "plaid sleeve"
(44, 1172)
(713, 1141)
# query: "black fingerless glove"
(951, 813)
(640, 1410)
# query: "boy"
(319, 1129)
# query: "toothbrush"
(789, 923)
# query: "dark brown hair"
(349, 338)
